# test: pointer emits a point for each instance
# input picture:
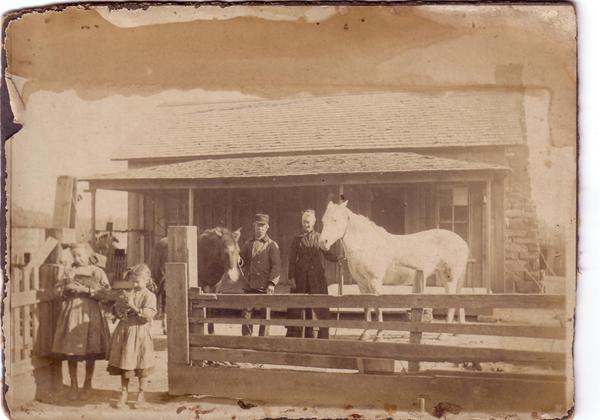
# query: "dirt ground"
(163, 406)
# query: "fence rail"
(282, 369)
(349, 354)
(483, 301)
(470, 328)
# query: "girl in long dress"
(82, 332)
(131, 346)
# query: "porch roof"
(391, 121)
(295, 170)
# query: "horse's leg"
(368, 319)
(379, 319)
(454, 285)
(375, 287)
(450, 289)
(364, 289)
(459, 285)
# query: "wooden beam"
(177, 315)
(489, 237)
(292, 181)
(471, 301)
(42, 253)
(293, 387)
(498, 277)
(229, 210)
(49, 273)
(416, 315)
(340, 268)
(272, 358)
(395, 351)
(470, 328)
(65, 199)
(191, 206)
(93, 219)
(183, 248)
(134, 227)
(30, 297)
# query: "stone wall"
(522, 246)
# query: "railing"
(189, 310)
(236, 347)
(32, 312)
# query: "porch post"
(190, 206)
(93, 220)
(340, 268)
(135, 226)
(489, 237)
(229, 210)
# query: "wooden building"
(408, 160)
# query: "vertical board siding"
(475, 277)
(400, 208)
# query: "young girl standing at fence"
(131, 347)
(81, 330)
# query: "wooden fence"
(29, 326)
(344, 370)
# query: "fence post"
(48, 311)
(183, 248)
(177, 314)
(416, 315)
(65, 201)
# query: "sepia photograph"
(250, 211)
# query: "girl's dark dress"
(81, 330)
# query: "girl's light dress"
(131, 346)
(81, 330)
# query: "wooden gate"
(343, 370)
(29, 320)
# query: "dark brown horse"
(218, 261)
(218, 256)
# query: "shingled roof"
(285, 166)
(377, 121)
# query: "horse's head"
(229, 251)
(335, 223)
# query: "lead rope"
(341, 283)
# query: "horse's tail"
(460, 266)
(454, 268)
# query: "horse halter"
(347, 223)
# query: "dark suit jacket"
(261, 262)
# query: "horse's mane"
(217, 230)
(368, 223)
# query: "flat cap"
(261, 218)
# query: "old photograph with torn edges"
(267, 211)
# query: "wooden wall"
(400, 208)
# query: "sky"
(129, 62)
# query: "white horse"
(376, 257)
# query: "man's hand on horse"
(270, 289)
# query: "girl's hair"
(83, 246)
(140, 270)
(309, 213)
(87, 248)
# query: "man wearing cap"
(307, 275)
(261, 266)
